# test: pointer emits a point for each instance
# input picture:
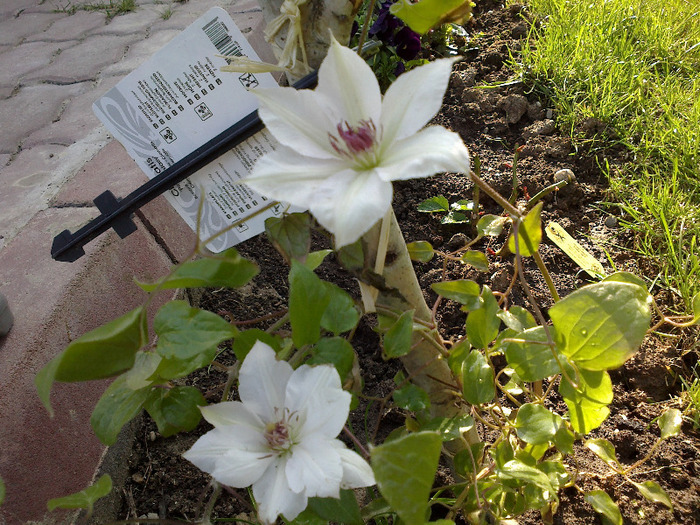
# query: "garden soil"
(495, 115)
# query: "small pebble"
(457, 241)
(611, 222)
(137, 478)
(152, 436)
(565, 174)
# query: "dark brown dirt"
(493, 122)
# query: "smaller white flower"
(343, 143)
(280, 437)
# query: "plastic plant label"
(176, 102)
(573, 249)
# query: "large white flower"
(343, 143)
(281, 436)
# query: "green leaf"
(477, 379)
(519, 471)
(118, 405)
(626, 277)
(605, 506)
(341, 314)
(176, 409)
(463, 291)
(556, 472)
(537, 425)
(605, 451)
(602, 325)
(352, 256)
(450, 427)
(530, 356)
(2, 491)
(227, 269)
(696, 308)
(564, 440)
(244, 341)
(85, 499)
(426, 14)
(588, 405)
(670, 423)
(464, 460)
(653, 492)
(517, 318)
(529, 233)
(314, 259)
(421, 251)
(412, 398)
(290, 235)
(434, 204)
(454, 217)
(336, 351)
(483, 324)
(476, 259)
(404, 469)
(185, 332)
(104, 352)
(491, 225)
(343, 510)
(462, 205)
(307, 517)
(308, 299)
(397, 340)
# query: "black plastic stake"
(115, 213)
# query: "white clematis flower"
(281, 436)
(343, 143)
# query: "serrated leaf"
(491, 225)
(605, 506)
(314, 259)
(463, 291)
(290, 235)
(341, 314)
(602, 325)
(517, 470)
(118, 405)
(477, 379)
(426, 14)
(336, 351)
(605, 451)
(588, 404)
(434, 204)
(185, 332)
(653, 492)
(244, 341)
(537, 425)
(670, 423)
(404, 469)
(517, 318)
(482, 325)
(397, 340)
(176, 409)
(529, 233)
(420, 251)
(308, 299)
(86, 498)
(476, 259)
(227, 269)
(339, 510)
(411, 397)
(104, 352)
(530, 356)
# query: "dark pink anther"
(359, 139)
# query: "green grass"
(111, 8)
(634, 65)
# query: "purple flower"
(407, 43)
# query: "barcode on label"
(218, 35)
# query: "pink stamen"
(357, 140)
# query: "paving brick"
(7, 90)
(84, 61)
(30, 109)
(4, 160)
(139, 52)
(27, 57)
(15, 29)
(10, 8)
(166, 224)
(73, 27)
(136, 24)
(43, 457)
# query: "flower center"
(356, 142)
(279, 434)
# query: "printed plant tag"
(573, 249)
(179, 100)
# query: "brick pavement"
(55, 157)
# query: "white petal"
(414, 98)
(349, 83)
(317, 395)
(350, 203)
(235, 456)
(300, 119)
(430, 151)
(287, 176)
(356, 471)
(232, 413)
(314, 467)
(274, 497)
(263, 380)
